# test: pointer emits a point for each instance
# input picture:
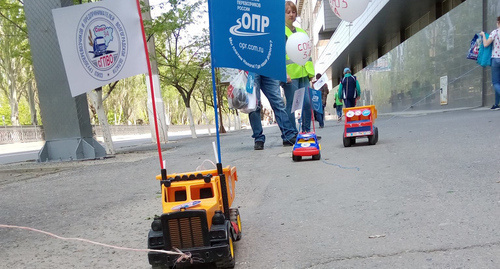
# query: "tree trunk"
(207, 122)
(219, 103)
(31, 99)
(191, 122)
(103, 120)
(222, 130)
(14, 106)
(237, 120)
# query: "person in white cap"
(349, 90)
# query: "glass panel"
(408, 77)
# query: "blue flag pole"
(216, 116)
(219, 160)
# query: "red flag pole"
(151, 84)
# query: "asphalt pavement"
(427, 195)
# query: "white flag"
(320, 82)
(298, 99)
(100, 43)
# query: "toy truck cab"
(194, 219)
(359, 123)
(306, 145)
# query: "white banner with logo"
(298, 99)
(100, 43)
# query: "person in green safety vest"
(297, 76)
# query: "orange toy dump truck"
(197, 219)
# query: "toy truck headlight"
(156, 241)
(156, 225)
(218, 234)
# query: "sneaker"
(259, 145)
(495, 107)
(318, 137)
(291, 142)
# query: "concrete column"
(66, 120)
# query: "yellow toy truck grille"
(186, 232)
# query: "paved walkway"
(179, 133)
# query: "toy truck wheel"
(347, 142)
(229, 261)
(317, 156)
(234, 217)
(296, 158)
(373, 139)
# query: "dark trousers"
(349, 102)
(320, 117)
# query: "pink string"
(182, 256)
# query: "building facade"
(407, 55)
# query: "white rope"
(183, 256)
(202, 168)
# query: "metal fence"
(15, 134)
(29, 133)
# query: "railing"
(29, 133)
(15, 134)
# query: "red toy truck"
(359, 123)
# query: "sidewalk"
(36, 146)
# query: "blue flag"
(248, 35)
(316, 101)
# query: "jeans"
(290, 89)
(339, 111)
(271, 89)
(495, 78)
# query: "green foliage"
(4, 111)
(183, 58)
(15, 57)
(127, 102)
(24, 112)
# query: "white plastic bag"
(237, 96)
(241, 92)
(251, 94)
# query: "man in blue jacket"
(349, 89)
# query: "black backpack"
(349, 88)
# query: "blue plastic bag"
(474, 47)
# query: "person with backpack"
(349, 90)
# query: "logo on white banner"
(102, 43)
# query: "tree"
(15, 58)
(98, 103)
(183, 60)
